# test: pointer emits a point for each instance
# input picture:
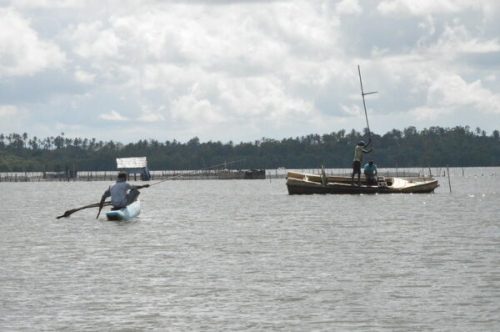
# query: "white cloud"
(353, 110)
(113, 116)
(429, 114)
(449, 95)
(22, 52)
(195, 110)
(426, 7)
(150, 116)
(458, 39)
(452, 91)
(95, 41)
(490, 78)
(84, 77)
(348, 7)
(13, 119)
(30, 4)
(7, 111)
(242, 40)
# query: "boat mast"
(363, 94)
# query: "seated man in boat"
(122, 193)
(359, 151)
(370, 171)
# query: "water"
(244, 255)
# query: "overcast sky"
(242, 70)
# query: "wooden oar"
(101, 204)
(70, 212)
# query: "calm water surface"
(244, 255)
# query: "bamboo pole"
(449, 180)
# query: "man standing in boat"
(122, 193)
(359, 151)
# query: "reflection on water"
(244, 255)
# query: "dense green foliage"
(432, 147)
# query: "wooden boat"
(130, 211)
(303, 183)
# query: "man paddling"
(122, 193)
(359, 151)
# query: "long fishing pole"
(363, 94)
(154, 184)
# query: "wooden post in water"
(449, 181)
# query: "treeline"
(432, 147)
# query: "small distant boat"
(130, 211)
(303, 183)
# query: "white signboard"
(136, 162)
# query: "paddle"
(70, 212)
(101, 204)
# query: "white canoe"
(127, 213)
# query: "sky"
(243, 70)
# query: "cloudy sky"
(241, 70)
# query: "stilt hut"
(134, 165)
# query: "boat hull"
(307, 184)
(127, 213)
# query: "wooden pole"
(449, 180)
(363, 94)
